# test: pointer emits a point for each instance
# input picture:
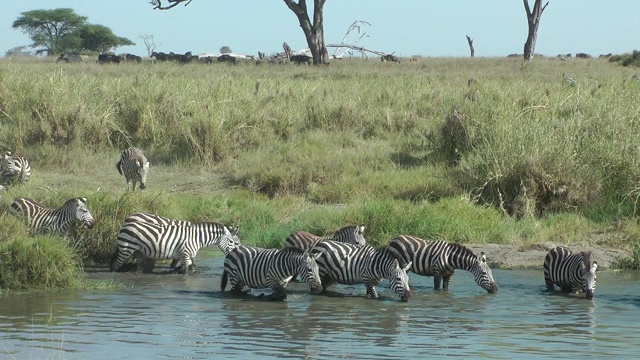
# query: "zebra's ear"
(316, 256)
(483, 257)
(233, 230)
(594, 266)
(408, 266)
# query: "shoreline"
(531, 256)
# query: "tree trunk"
(470, 41)
(314, 33)
(533, 20)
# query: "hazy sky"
(403, 27)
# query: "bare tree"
(313, 30)
(470, 41)
(149, 43)
(533, 19)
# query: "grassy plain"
(484, 150)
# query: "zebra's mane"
(73, 200)
(586, 256)
(463, 250)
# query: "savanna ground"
(478, 151)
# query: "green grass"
(516, 156)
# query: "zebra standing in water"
(57, 221)
(157, 220)
(134, 166)
(302, 240)
(571, 272)
(440, 259)
(14, 169)
(171, 241)
(258, 268)
(352, 264)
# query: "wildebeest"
(69, 58)
(514, 55)
(226, 58)
(390, 57)
(132, 57)
(160, 56)
(301, 58)
(583, 56)
(110, 58)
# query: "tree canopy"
(61, 30)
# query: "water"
(173, 316)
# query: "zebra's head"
(229, 239)
(399, 280)
(308, 271)
(82, 213)
(358, 235)
(483, 275)
(588, 270)
(143, 171)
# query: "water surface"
(174, 316)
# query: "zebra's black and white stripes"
(257, 268)
(353, 264)
(14, 169)
(58, 221)
(440, 259)
(171, 241)
(133, 165)
(572, 272)
(302, 240)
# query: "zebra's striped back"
(570, 271)
(302, 240)
(171, 241)
(440, 259)
(261, 268)
(133, 165)
(352, 264)
(14, 169)
(155, 219)
(57, 221)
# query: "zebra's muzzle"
(406, 296)
(589, 294)
(493, 288)
(88, 224)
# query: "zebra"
(56, 221)
(134, 166)
(255, 267)
(351, 264)
(14, 169)
(171, 241)
(302, 240)
(157, 220)
(440, 259)
(572, 272)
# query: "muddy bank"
(532, 256)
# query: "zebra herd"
(341, 258)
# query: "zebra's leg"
(548, 281)
(121, 257)
(371, 290)
(445, 282)
(436, 281)
(279, 292)
(147, 264)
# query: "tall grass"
(472, 150)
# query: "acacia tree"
(100, 38)
(533, 19)
(313, 30)
(48, 28)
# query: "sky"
(402, 27)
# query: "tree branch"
(157, 4)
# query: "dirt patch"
(532, 256)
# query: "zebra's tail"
(223, 282)
(119, 166)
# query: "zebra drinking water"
(440, 259)
(171, 241)
(57, 221)
(302, 240)
(134, 166)
(14, 169)
(258, 268)
(572, 272)
(352, 264)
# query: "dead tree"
(470, 41)
(533, 19)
